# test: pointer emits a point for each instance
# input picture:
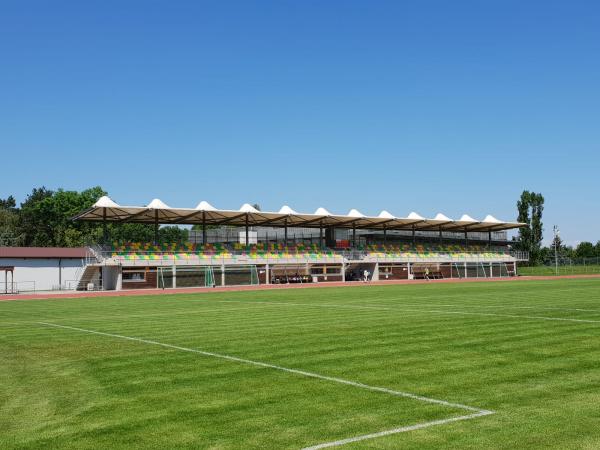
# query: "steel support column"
(104, 228)
(156, 227)
(321, 234)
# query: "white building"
(25, 269)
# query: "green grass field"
(562, 270)
(529, 351)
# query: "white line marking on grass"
(316, 305)
(550, 308)
(432, 311)
(271, 366)
(477, 412)
(418, 426)
(158, 315)
(517, 316)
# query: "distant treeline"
(583, 250)
(44, 219)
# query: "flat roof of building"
(42, 252)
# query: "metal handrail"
(109, 254)
(163, 258)
(15, 289)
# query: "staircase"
(91, 274)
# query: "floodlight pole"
(556, 234)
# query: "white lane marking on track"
(477, 412)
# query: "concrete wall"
(111, 278)
(42, 274)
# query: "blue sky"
(402, 105)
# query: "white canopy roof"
(157, 204)
(204, 213)
(205, 206)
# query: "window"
(322, 270)
(132, 276)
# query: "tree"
(9, 222)
(173, 235)
(530, 209)
(557, 243)
(131, 232)
(585, 250)
(10, 234)
(36, 232)
(8, 203)
(46, 217)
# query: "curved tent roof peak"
(205, 206)
(285, 209)
(105, 202)
(440, 216)
(157, 203)
(466, 218)
(491, 219)
(415, 216)
(246, 207)
(355, 213)
(322, 212)
(385, 215)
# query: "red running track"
(85, 294)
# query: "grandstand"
(267, 248)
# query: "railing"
(94, 254)
(71, 285)
(16, 287)
(331, 256)
(564, 266)
(277, 234)
(520, 255)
